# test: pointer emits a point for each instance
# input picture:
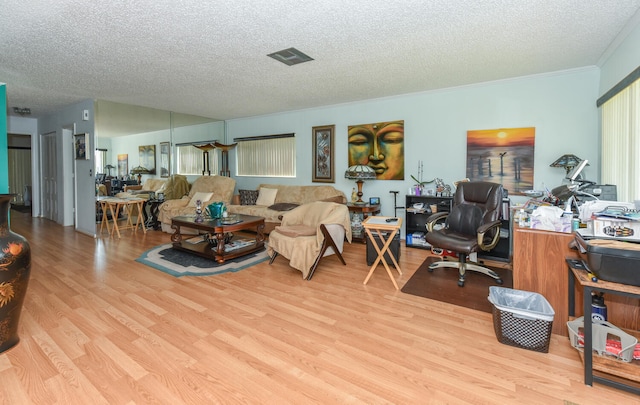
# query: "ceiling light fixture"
(22, 110)
(290, 56)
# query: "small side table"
(380, 226)
(366, 210)
(578, 277)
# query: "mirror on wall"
(131, 138)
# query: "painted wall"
(624, 59)
(4, 154)
(67, 167)
(560, 105)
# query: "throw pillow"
(267, 196)
(248, 197)
(283, 206)
(294, 231)
(203, 197)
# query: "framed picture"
(123, 165)
(81, 142)
(165, 156)
(148, 157)
(323, 162)
(374, 200)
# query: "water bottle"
(598, 308)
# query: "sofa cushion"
(336, 199)
(267, 196)
(248, 197)
(294, 231)
(283, 206)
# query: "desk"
(114, 205)
(539, 266)
(366, 210)
(379, 225)
(631, 370)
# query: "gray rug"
(179, 263)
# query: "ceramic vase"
(15, 268)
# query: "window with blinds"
(267, 156)
(190, 160)
(621, 142)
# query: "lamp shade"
(568, 161)
(360, 172)
(140, 170)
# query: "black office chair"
(472, 225)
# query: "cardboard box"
(622, 229)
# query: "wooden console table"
(539, 266)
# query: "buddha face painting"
(379, 146)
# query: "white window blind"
(189, 160)
(621, 142)
(269, 156)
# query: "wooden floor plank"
(99, 327)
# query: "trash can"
(521, 318)
(394, 247)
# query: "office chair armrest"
(490, 226)
(433, 219)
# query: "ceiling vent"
(290, 56)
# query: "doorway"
(20, 180)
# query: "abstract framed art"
(123, 165)
(504, 156)
(81, 142)
(147, 154)
(323, 152)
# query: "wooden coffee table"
(217, 229)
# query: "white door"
(49, 179)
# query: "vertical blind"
(189, 160)
(621, 142)
(269, 156)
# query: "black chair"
(472, 225)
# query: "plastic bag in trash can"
(524, 303)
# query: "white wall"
(561, 106)
(624, 59)
(72, 116)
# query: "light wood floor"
(98, 327)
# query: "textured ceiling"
(209, 58)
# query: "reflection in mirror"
(122, 129)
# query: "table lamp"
(205, 148)
(360, 173)
(567, 161)
(139, 170)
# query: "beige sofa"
(216, 188)
(286, 198)
(148, 187)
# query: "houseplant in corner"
(15, 268)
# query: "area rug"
(179, 263)
(442, 285)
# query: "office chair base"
(462, 269)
